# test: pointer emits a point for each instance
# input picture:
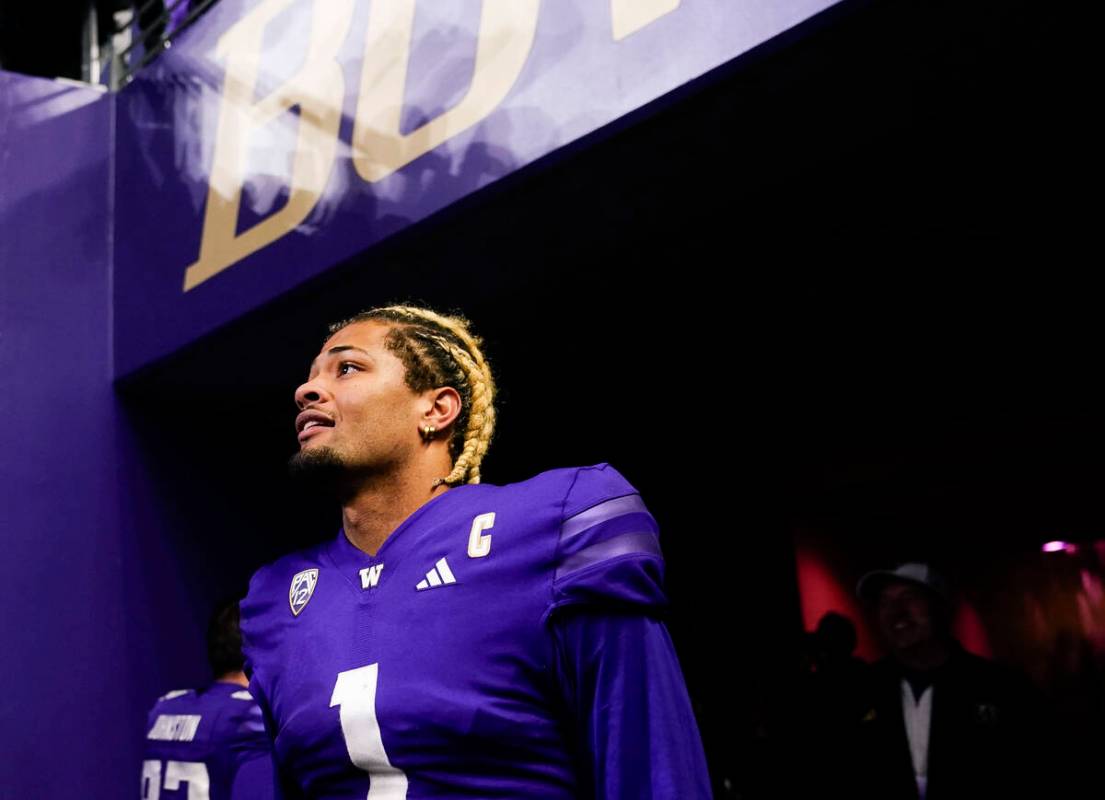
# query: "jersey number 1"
(355, 693)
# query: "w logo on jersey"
(370, 576)
(303, 586)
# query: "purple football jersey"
(207, 745)
(503, 643)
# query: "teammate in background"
(210, 744)
(459, 639)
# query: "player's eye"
(342, 367)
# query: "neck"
(379, 503)
(926, 656)
(238, 677)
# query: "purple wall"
(84, 538)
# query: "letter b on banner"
(318, 90)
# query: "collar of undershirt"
(920, 680)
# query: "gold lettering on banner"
(629, 16)
(507, 32)
(318, 90)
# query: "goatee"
(317, 469)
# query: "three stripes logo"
(440, 575)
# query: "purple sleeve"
(632, 717)
(259, 779)
(254, 779)
(252, 751)
(282, 787)
(264, 774)
(256, 637)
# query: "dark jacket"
(986, 738)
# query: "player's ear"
(442, 407)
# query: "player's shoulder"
(174, 694)
(224, 711)
(577, 488)
(277, 571)
(584, 504)
(269, 585)
(239, 712)
(538, 508)
(596, 484)
(268, 593)
(608, 549)
(174, 701)
(231, 695)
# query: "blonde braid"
(481, 416)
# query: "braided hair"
(440, 350)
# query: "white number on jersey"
(151, 780)
(355, 693)
(176, 772)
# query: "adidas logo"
(440, 575)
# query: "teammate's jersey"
(503, 642)
(207, 745)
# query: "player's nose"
(308, 393)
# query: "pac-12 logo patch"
(303, 586)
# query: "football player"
(460, 639)
(210, 744)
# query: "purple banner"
(278, 138)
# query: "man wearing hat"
(941, 723)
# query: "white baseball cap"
(872, 583)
